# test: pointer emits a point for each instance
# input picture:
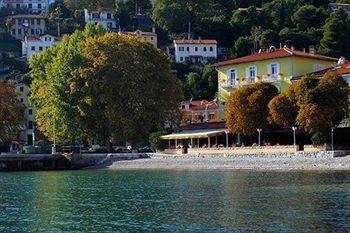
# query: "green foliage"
(202, 86)
(155, 141)
(320, 138)
(243, 46)
(103, 87)
(336, 35)
(247, 108)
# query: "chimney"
(312, 50)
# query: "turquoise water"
(174, 201)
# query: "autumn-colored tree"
(247, 108)
(283, 108)
(11, 112)
(323, 102)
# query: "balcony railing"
(271, 78)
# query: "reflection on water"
(172, 201)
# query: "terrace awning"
(188, 134)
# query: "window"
(181, 58)
(30, 6)
(205, 49)
(251, 72)
(151, 37)
(188, 49)
(196, 49)
(32, 31)
(21, 89)
(274, 69)
(109, 16)
(31, 21)
(109, 25)
(40, 48)
(19, 31)
(30, 112)
(39, 6)
(21, 100)
(181, 48)
(211, 48)
(38, 22)
(30, 124)
(13, 32)
(18, 6)
(232, 77)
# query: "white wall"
(37, 45)
(192, 51)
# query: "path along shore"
(203, 162)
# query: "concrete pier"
(40, 162)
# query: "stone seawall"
(38, 162)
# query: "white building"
(36, 44)
(195, 50)
(27, 127)
(336, 6)
(104, 17)
(34, 6)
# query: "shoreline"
(341, 164)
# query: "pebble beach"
(234, 163)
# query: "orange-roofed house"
(276, 66)
(200, 111)
(199, 50)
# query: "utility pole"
(294, 128)
(189, 31)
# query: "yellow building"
(150, 37)
(276, 66)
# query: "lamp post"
(332, 138)
(294, 128)
(259, 138)
(53, 149)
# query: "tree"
(243, 46)
(323, 103)
(52, 72)
(247, 108)
(126, 87)
(102, 86)
(336, 35)
(268, 38)
(309, 16)
(11, 112)
(283, 109)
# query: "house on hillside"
(105, 17)
(151, 37)
(199, 111)
(36, 44)
(27, 128)
(33, 6)
(195, 50)
(27, 25)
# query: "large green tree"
(247, 108)
(335, 41)
(102, 86)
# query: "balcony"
(239, 83)
(271, 78)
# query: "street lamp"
(294, 128)
(259, 133)
(332, 138)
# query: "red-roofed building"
(275, 66)
(199, 111)
(195, 50)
